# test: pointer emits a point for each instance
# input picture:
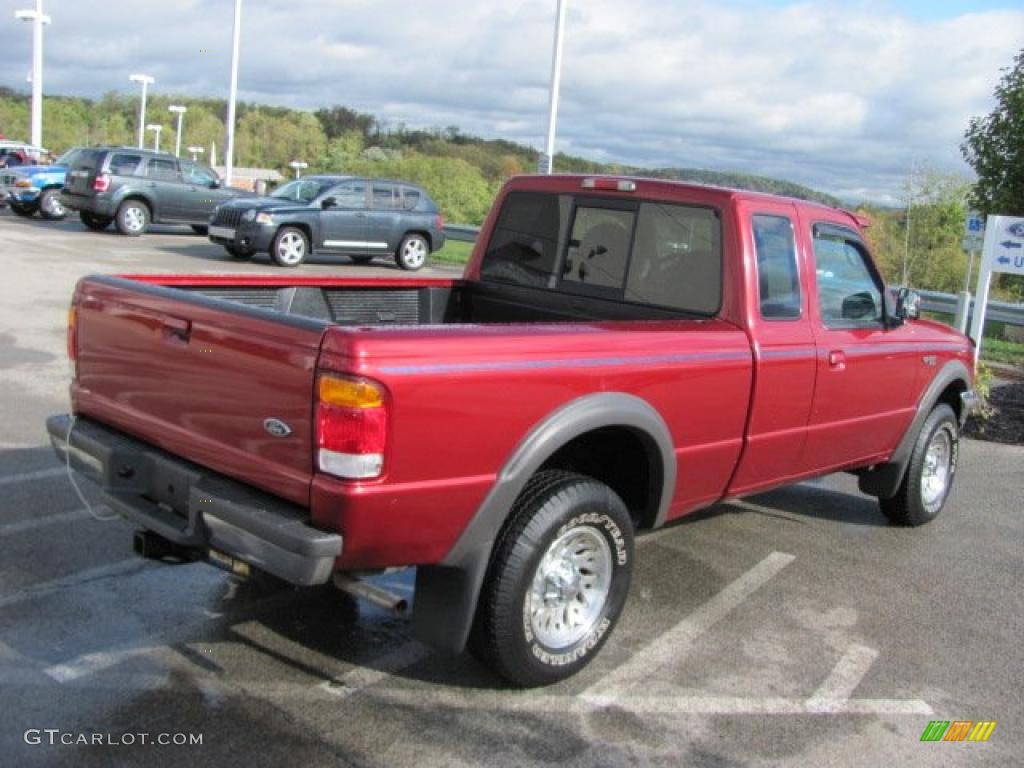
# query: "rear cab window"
(661, 254)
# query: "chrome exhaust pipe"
(371, 594)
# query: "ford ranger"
(618, 353)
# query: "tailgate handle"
(177, 328)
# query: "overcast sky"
(838, 96)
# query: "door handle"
(836, 359)
(177, 329)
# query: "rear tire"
(133, 218)
(412, 252)
(50, 206)
(290, 247)
(557, 580)
(930, 473)
(94, 222)
(21, 210)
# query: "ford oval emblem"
(1017, 229)
(276, 427)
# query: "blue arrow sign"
(1004, 259)
(1010, 244)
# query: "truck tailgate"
(218, 383)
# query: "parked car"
(618, 354)
(358, 217)
(15, 153)
(31, 188)
(138, 187)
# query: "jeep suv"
(136, 187)
(357, 217)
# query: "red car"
(618, 354)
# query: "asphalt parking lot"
(795, 628)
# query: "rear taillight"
(351, 427)
(101, 183)
(72, 334)
(439, 223)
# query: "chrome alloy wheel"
(570, 588)
(291, 248)
(414, 253)
(937, 470)
(53, 207)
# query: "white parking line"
(28, 476)
(678, 641)
(844, 679)
(363, 677)
(91, 663)
(22, 526)
(46, 588)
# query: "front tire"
(50, 206)
(290, 247)
(412, 252)
(94, 222)
(133, 218)
(557, 580)
(930, 473)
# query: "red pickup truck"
(619, 353)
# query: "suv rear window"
(123, 164)
(661, 254)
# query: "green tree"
(994, 147)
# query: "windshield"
(300, 190)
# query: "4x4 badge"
(930, 359)
(276, 427)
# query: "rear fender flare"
(446, 594)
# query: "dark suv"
(348, 215)
(137, 187)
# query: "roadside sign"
(1003, 251)
(974, 232)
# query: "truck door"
(865, 393)
(784, 348)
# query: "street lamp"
(180, 111)
(38, 19)
(155, 128)
(547, 162)
(298, 165)
(229, 159)
(145, 80)
(196, 151)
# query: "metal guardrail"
(461, 232)
(1001, 311)
(932, 301)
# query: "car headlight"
(249, 215)
(264, 218)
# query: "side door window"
(350, 195)
(198, 174)
(160, 169)
(849, 293)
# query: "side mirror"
(857, 306)
(215, 184)
(908, 304)
(328, 202)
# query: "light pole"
(145, 80)
(180, 112)
(196, 151)
(297, 166)
(38, 19)
(229, 159)
(556, 83)
(155, 128)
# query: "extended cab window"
(778, 278)
(661, 254)
(849, 295)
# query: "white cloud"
(838, 96)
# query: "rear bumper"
(97, 205)
(195, 507)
